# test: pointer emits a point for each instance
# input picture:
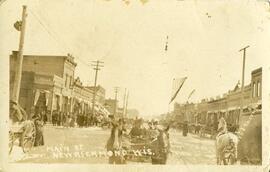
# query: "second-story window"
(70, 82)
(259, 89)
(66, 81)
(254, 90)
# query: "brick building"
(46, 81)
(48, 84)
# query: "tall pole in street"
(20, 26)
(124, 103)
(243, 80)
(97, 65)
(115, 100)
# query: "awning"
(37, 94)
(233, 108)
(223, 110)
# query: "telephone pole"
(116, 89)
(243, 79)
(97, 66)
(124, 102)
(20, 26)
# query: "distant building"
(212, 109)
(82, 98)
(112, 106)
(100, 93)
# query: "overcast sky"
(204, 42)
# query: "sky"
(204, 39)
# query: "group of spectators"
(86, 120)
(81, 119)
(62, 119)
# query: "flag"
(36, 97)
(18, 25)
(191, 93)
(237, 86)
(177, 86)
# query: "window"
(66, 81)
(259, 89)
(70, 82)
(254, 90)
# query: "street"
(87, 145)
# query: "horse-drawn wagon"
(25, 133)
(138, 149)
(20, 128)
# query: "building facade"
(48, 84)
(209, 111)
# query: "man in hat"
(153, 131)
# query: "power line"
(116, 89)
(53, 35)
(97, 66)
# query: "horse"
(160, 147)
(114, 144)
(226, 145)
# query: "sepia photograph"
(177, 83)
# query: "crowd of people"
(80, 119)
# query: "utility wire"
(64, 47)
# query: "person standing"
(153, 129)
(39, 139)
(185, 128)
(44, 116)
(54, 116)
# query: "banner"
(177, 85)
(47, 95)
(37, 93)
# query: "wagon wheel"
(11, 141)
(28, 140)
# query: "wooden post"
(19, 60)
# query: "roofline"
(57, 56)
(257, 70)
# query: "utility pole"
(97, 66)
(124, 103)
(243, 80)
(20, 26)
(115, 99)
